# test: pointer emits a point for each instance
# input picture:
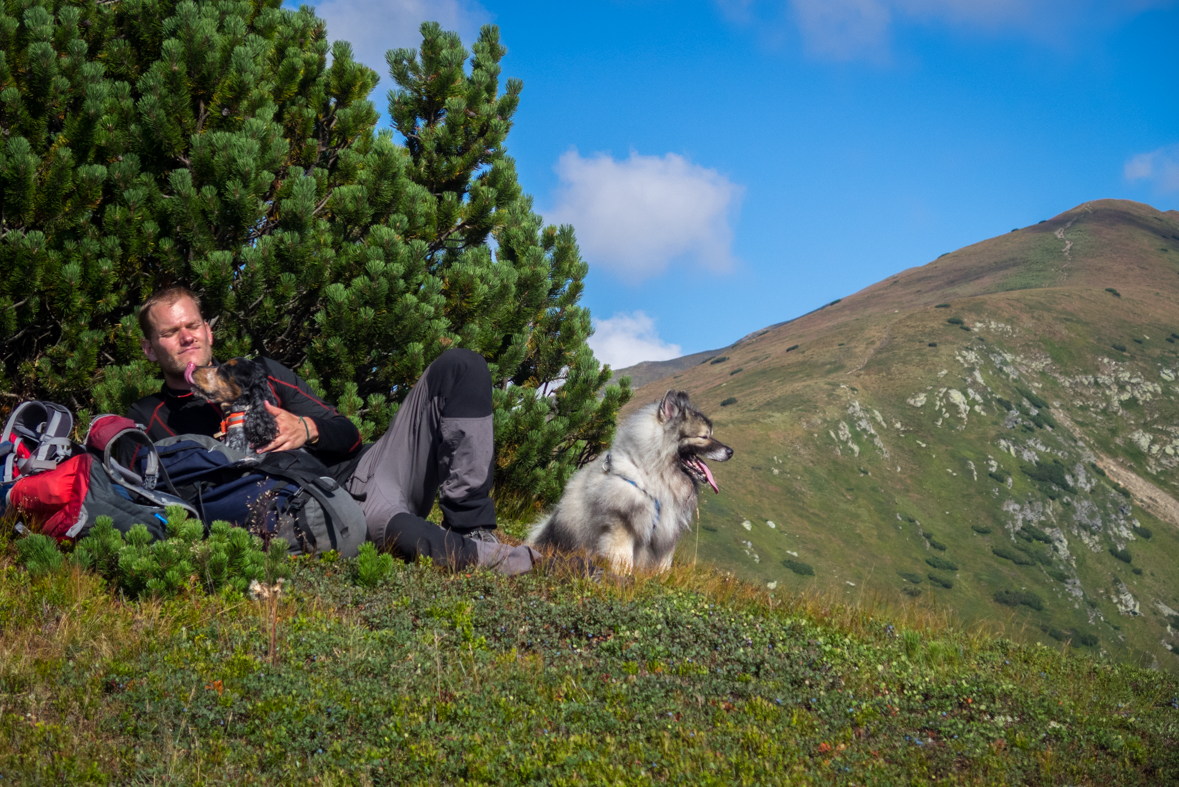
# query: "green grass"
(436, 678)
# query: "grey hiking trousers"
(440, 443)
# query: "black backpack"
(289, 494)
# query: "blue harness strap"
(655, 500)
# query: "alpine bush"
(941, 563)
(982, 530)
(1121, 554)
(1016, 557)
(719, 359)
(1013, 598)
(729, 401)
(1036, 401)
(956, 321)
(941, 580)
(1002, 479)
(137, 566)
(1052, 473)
(372, 566)
(800, 568)
(1143, 532)
(1119, 347)
(912, 576)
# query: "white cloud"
(637, 215)
(862, 29)
(627, 339)
(844, 29)
(376, 26)
(1160, 167)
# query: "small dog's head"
(238, 385)
(693, 433)
(229, 383)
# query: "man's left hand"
(293, 431)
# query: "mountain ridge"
(873, 429)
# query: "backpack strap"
(106, 434)
(46, 427)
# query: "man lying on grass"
(440, 441)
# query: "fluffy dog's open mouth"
(699, 471)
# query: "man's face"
(180, 337)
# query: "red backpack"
(51, 480)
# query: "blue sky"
(730, 164)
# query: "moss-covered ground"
(471, 678)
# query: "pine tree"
(148, 142)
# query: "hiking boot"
(506, 559)
(485, 534)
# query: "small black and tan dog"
(239, 386)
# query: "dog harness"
(232, 420)
(658, 508)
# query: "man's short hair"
(166, 296)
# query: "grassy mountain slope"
(1003, 420)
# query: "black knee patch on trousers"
(461, 380)
(408, 536)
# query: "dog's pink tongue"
(188, 373)
(708, 475)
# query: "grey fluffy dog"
(631, 505)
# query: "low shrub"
(1136, 570)
(800, 568)
(711, 528)
(1033, 533)
(1005, 404)
(982, 530)
(1052, 473)
(933, 344)
(912, 576)
(729, 401)
(938, 545)
(139, 567)
(956, 321)
(1002, 479)
(964, 327)
(719, 359)
(1121, 490)
(1097, 469)
(1088, 640)
(1015, 556)
(1013, 598)
(1038, 555)
(1113, 292)
(1057, 574)
(1119, 347)
(941, 563)
(1143, 532)
(372, 566)
(1121, 554)
(908, 590)
(1034, 399)
(942, 306)
(941, 580)
(792, 348)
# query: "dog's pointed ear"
(673, 405)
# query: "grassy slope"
(441, 678)
(807, 420)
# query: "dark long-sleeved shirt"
(172, 412)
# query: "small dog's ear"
(673, 405)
